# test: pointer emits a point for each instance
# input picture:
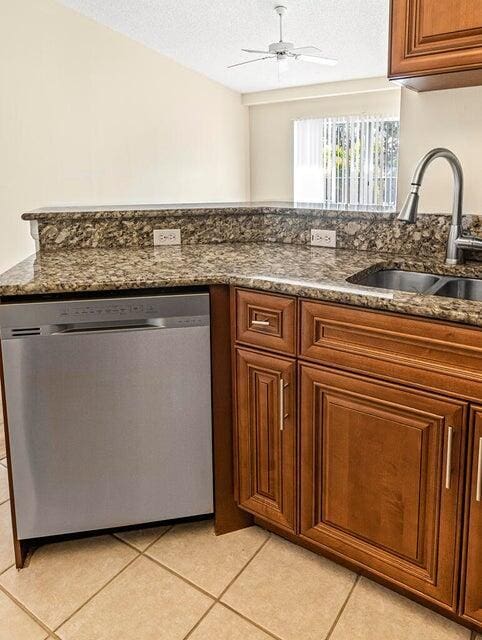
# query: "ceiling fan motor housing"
(280, 47)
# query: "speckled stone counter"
(278, 222)
(292, 269)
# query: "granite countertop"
(126, 212)
(306, 271)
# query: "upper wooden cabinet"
(436, 44)
(472, 602)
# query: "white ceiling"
(207, 35)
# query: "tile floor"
(172, 583)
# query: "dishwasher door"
(109, 428)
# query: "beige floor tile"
(207, 560)
(3, 484)
(61, 577)
(3, 462)
(291, 592)
(141, 538)
(15, 624)
(375, 613)
(223, 624)
(144, 602)
(6, 539)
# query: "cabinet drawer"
(420, 352)
(266, 320)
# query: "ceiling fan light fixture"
(283, 64)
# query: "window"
(349, 161)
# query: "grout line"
(4, 501)
(98, 591)
(27, 611)
(196, 586)
(116, 536)
(218, 599)
(189, 634)
(183, 578)
(252, 622)
(340, 612)
(158, 538)
(7, 568)
(268, 538)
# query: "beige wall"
(88, 116)
(271, 134)
(452, 119)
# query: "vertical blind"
(347, 161)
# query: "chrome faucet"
(456, 242)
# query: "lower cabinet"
(381, 478)
(472, 604)
(366, 444)
(266, 422)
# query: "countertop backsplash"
(286, 223)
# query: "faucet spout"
(408, 213)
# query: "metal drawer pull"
(282, 404)
(260, 323)
(448, 469)
(478, 491)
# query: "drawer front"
(420, 352)
(266, 320)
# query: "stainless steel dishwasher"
(109, 411)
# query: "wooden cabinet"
(436, 44)
(380, 478)
(357, 447)
(472, 600)
(266, 422)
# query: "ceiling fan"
(283, 52)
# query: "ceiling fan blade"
(310, 50)
(254, 51)
(238, 64)
(317, 59)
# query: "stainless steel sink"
(427, 283)
(461, 288)
(411, 281)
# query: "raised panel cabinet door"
(380, 477)
(436, 37)
(472, 605)
(265, 407)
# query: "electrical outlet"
(167, 236)
(323, 238)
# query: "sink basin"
(461, 288)
(411, 281)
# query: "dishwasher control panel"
(47, 318)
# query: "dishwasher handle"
(142, 324)
(82, 330)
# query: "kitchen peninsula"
(346, 417)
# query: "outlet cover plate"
(163, 237)
(323, 238)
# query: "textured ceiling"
(207, 35)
